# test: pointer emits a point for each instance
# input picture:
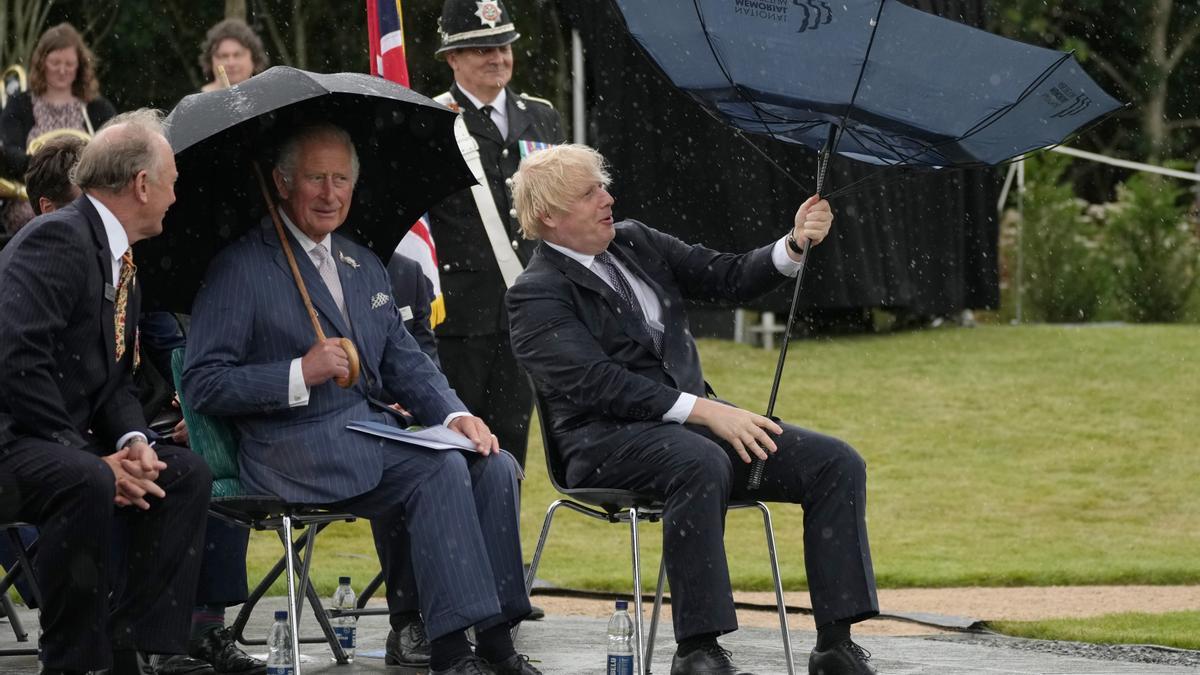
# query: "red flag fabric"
(386, 31)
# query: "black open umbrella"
(406, 147)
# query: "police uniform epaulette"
(543, 101)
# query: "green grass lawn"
(1000, 455)
(1173, 629)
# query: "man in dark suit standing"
(598, 320)
(479, 246)
(74, 450)
(252, 357)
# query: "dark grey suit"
(64, 402)
(248, 324)
(607, 390)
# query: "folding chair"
(215, 440)
(627, 506)
(22, 567)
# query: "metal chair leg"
(537, 552)
(658, 596)
(293, 601)
(369, 591)
(779, 602)
(643, 666)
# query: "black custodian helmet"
(475, 23)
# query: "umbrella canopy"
(906, 88)
(408, 155)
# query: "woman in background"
(235, 46)
(63, 98)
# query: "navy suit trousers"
(461, 513)
(698, 474)
(68, 493)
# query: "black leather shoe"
(845, 658)
(180, 664)
(535, 613)
(517, 664)
(468, 665)
(711, 659)
(408, 646)
(217, 648)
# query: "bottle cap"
(281, 615)
(622, 604)
(344, 580)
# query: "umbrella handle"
(346, 344)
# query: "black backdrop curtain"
(921, 246)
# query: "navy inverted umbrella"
(872, 80)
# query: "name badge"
(110, 293)
(406, 313)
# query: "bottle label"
(345, 635)
(620, 664)
(280, 670)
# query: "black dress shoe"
(517, 664)
(711, 659)
(180, 664)
(535, 613)
(844, 658)
(408, 646)
(217, 648)
(468, 665)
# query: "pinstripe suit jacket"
(59, 380)
(248, 323)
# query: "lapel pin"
(347, 260)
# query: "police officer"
(472, 234)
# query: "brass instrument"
(14, 81)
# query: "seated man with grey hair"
(598, 320)
(75, 451)
(251, 357)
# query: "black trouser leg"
(485, 375)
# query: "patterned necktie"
(124, 281)
(621, 285)
(330, 276)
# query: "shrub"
(1154, 249)
(1067, 275)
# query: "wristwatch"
(793, 244)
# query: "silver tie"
(329, 275)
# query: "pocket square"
(379, 300)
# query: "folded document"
(434, 438)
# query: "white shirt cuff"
(453, 416)
(682, 409)
(297, 390)
(783, 262)
(128, 438)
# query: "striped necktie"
(621, 285)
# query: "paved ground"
(575, 645)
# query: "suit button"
(514, 244)
(508, 182)
(512, 213)
(504, 152)
(446, 268)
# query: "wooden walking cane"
(347, 345)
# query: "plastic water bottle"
(620, 641)
(279, 646)
(345, 627)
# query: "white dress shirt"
(652, 307)
(118, 243)
(499, 109)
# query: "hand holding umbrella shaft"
(812, 222)
(324, 361)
